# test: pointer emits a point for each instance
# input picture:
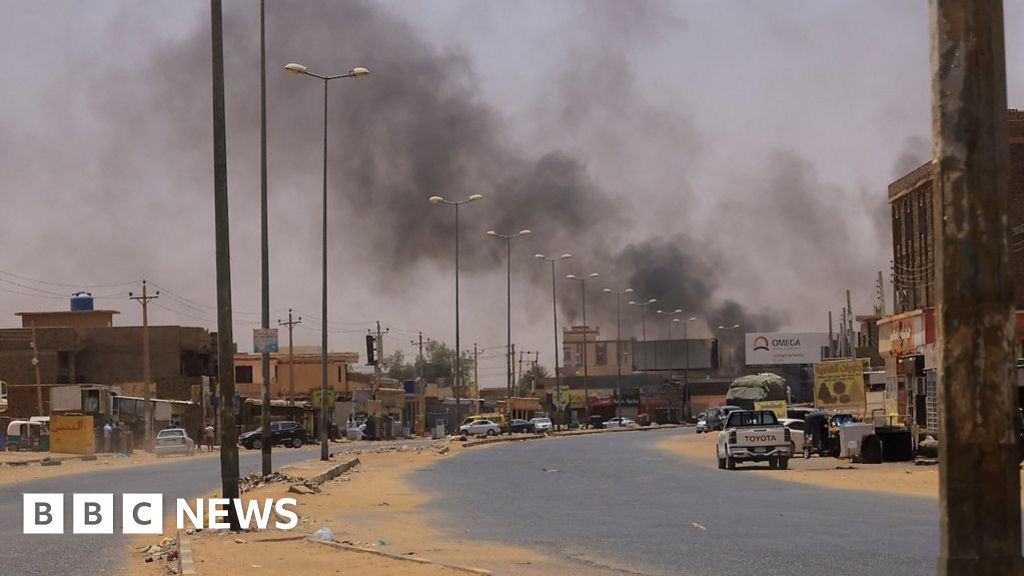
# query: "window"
(601, 353)
(796, 425)
(243, 374)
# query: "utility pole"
(264, 251)
(831, 340)
(536, 366)
(35, 364)
(849, 319)
(979, 479)
(378, 372)
(225, 338)
(881, 294)
(291, 357)
(147, 409)
(419, 362)
(476, 372)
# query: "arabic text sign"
(839, 384)
(776, 406)
(72, 435)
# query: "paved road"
(46, 555)
(615, 500)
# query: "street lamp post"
(671, 320)
(508, 352)
(731, 348)
(586, 373)
(643, 322)
(353, 73)
(618, 343)
(457, 380)
(686, 344)
(554, 312)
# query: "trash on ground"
(324, 534)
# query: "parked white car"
(477, 427)
(173, 441)
(619, 421)
(796, 432)
(541, 425)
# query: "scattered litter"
(383, 504)
(255, 565)
(846, 467)
(925, 462)
(239, 541)
(49, 462)
(549, 470)
(698, 526)
(255, 480)
(444, 450)
(382, 542)
(301, 489)
(324, 534)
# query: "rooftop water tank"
(81, 301)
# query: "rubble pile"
(166, 550)
(254, 480)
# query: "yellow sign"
(72, 435)
(776, 406)
(315, 397)
(839, 384)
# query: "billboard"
(675, 355)
(775, 348)
(839, 384)
(264, 340)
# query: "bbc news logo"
(143, 513)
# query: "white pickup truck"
(754, 436)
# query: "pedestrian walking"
(115, 440)
(108, 431)
(209, 432)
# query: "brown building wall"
(914, 199)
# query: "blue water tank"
(81, 301)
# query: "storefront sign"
(72, 435)
(776, 406)
(560, 397)
(839, 384)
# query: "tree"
(440, 363)
(397, 368)
(526, 383)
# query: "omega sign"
(773, 348)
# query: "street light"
(458, 354)
(353, 73)
(686, 344)
(508, 353)
(618, 342)
(554, 312)
(643, 321)
(671, 319)
(586, 372)
(732, 347)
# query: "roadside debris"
(324, 534)
(49, 462)
(166, 549)
(698, 526)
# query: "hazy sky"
(729, 158)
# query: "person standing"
(108, 431)
(209, 432)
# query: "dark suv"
(285, 433)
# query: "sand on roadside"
(902, 478)
(72, 464)
(375, 506)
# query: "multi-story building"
(906, 339)
(307, 368)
